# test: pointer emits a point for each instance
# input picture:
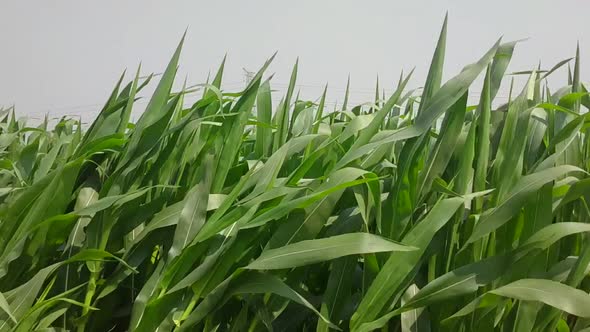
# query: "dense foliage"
(417, 212)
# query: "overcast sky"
(63, 56)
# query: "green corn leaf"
(193, 213)
(555, 294)
(319, 250)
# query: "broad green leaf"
(264, 114)
(285, 207)
(389, 280)
(319, 250)
(317, 214)
(446, 96)
(194, 210)
(445, 145)
(416, 320)
(6, 308)
(153, 113)
(483, 138)
(555, 294)
(515, 199)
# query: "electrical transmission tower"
(248, 76)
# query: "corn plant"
(416, 212)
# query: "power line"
(96, 107)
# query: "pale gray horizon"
(63, 57)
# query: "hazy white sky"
(63, 56)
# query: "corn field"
(416, 212)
